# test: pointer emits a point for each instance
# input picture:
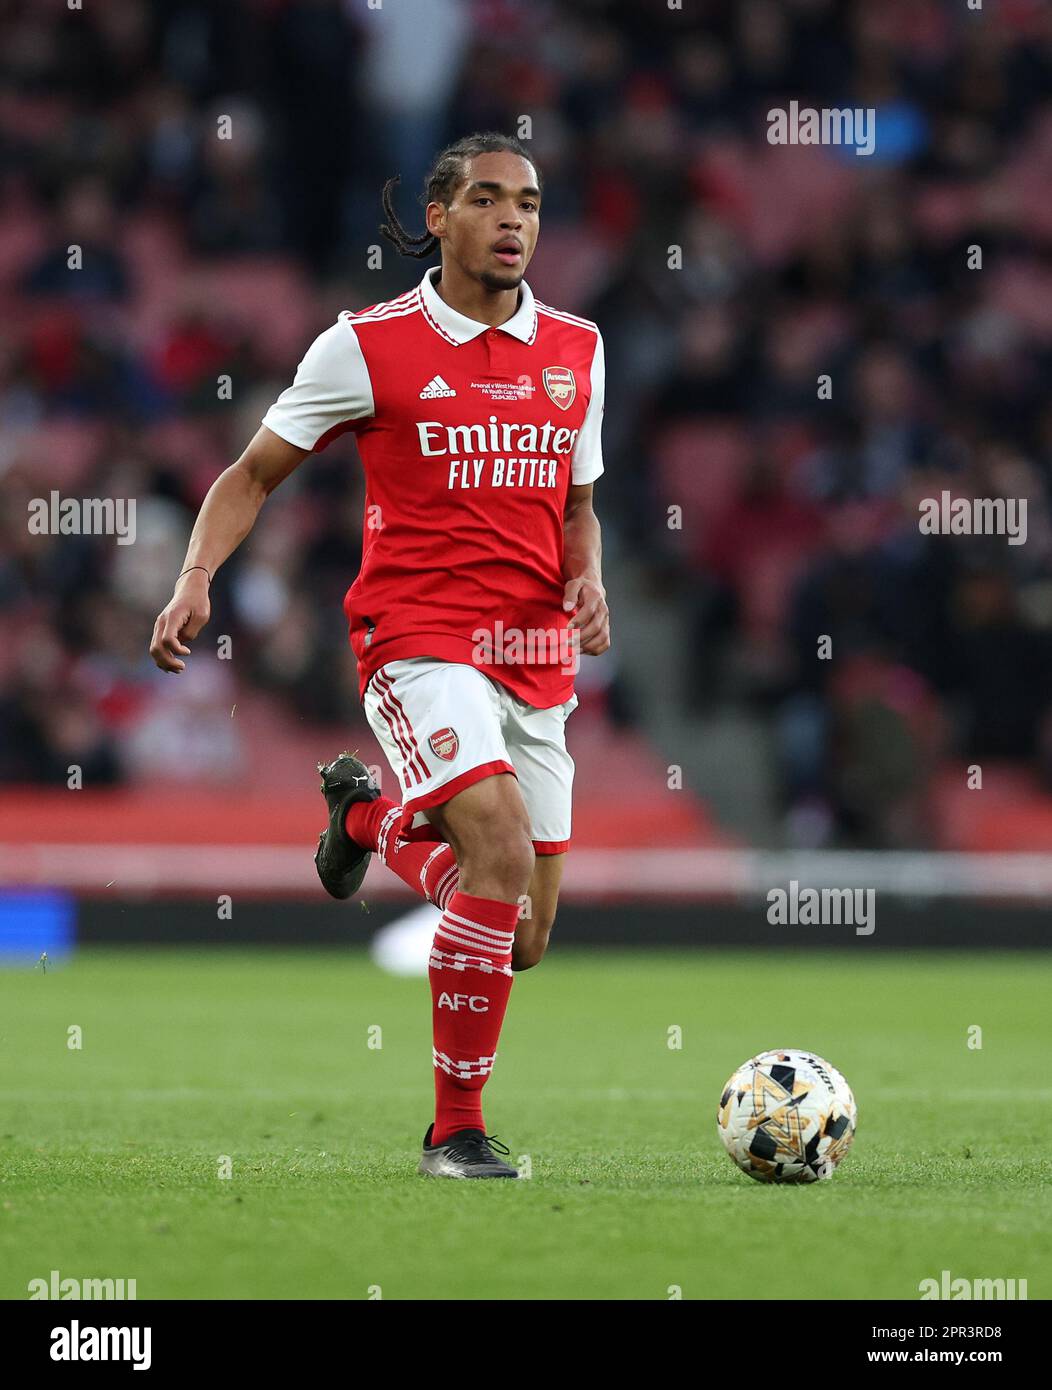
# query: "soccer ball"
(787, 1116)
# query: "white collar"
(457, 328)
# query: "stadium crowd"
(728, 275)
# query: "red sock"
(429, 867)
(470, 973)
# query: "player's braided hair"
(441, 183)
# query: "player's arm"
(582, 540)
(583, 570)
(331, 391)
(227, 515)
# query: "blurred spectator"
(83, 261)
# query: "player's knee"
(501, 853)
(511, 857)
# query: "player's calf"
(531, 942)
(538, 912)
(470, 966)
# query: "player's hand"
(181, 621)
(592, 619)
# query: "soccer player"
(477, 413)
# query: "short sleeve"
(588, 452)
(330, 392)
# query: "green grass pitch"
(110, 1154)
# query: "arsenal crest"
(445, 744)
(561, 387)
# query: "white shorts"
(445, 725)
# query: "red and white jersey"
(470, 437)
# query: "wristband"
(195, 567)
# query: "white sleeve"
(588, 451)
(331, 389)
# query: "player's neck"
(475, 300)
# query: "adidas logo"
(436, 387)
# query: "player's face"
(490, 227)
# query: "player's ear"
(435, 218)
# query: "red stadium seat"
(1012, 812)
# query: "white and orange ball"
(787, 1116)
